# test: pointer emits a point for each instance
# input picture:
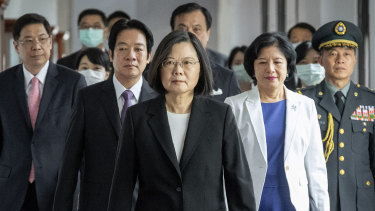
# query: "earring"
(287, 75)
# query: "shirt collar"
(136, 88)
(41, 75)
(332, 89)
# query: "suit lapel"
(351, 98)
(292, 113)
(254, 109)
(146, 92)
(160, 127)
(49, 88)
(199, 117)
(327, 102)
(20, 93)
(109, 101)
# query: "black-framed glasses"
(185, 64)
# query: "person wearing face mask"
(91, 24)
(299, 33)
(308, 68)
(235, 63)
(94, 64)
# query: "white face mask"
(295, 44)
(93, 76)
(240, 72)
(310, 74)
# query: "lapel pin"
(293, 107)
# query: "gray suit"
(20, 145)
(92, 138)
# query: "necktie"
(339, 102)
(34, 100)
(127, 95)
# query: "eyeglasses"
(185, 64)
(30, 41)
(95, 26)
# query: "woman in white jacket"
(280, 132)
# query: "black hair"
(268, 39)
(302, 25)
(96, 56)
(92, 12)
(118, 14)
(190, 7)
(122, 25)
(233, 53)
(205, 81)
(302, 50)
(29, 18)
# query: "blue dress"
(275, 195)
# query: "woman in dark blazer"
(181, 144)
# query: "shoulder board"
(367, 89)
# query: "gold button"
(356, 94)
(342, 144)
(341, 158)
(320, 93)
(358, 85)
(364, 130)
(287, 168)
(319, 116)
(364, 124)
(341, 131)
(368, 183)
(342, 171)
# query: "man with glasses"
(36, 99)
(91, 24)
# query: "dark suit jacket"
(212, 148)
(93, 136)
(225, 82)
(217, 57)
(19, 144)
(354, 147)
(69, 60)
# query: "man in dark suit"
(91, 24)
(36, 99)
(346, 118)
(196, 19)
(96, 125)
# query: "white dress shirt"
(119, 89)
(178, 124)
(41, 76)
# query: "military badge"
(340, 28)
(363, 113)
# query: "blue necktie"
(127, 95)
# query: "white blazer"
(305, 167)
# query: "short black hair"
(302, 50)
(92, 12)
(118, 14)
(302, 25)
(29, 18)
(122, 25)
(190, 7)
(233, 52)
(268, 39)
(96, 56)
(205, 81)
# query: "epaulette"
(367, 89)
(303, 90)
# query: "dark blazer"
(351, 165)
(19, 144)
(212, 149)
(217, 57)
(92, 138)
(69, 60)
(225, 82)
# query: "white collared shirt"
(41, 76)
(119, 89)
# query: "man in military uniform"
(346, 118)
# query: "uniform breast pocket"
(362, 131)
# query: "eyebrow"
(125, 43)
(29, 36)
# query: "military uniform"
(348, 138)
(351, 165)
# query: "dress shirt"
(119, 89)
(41, 76)
(332, 90)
